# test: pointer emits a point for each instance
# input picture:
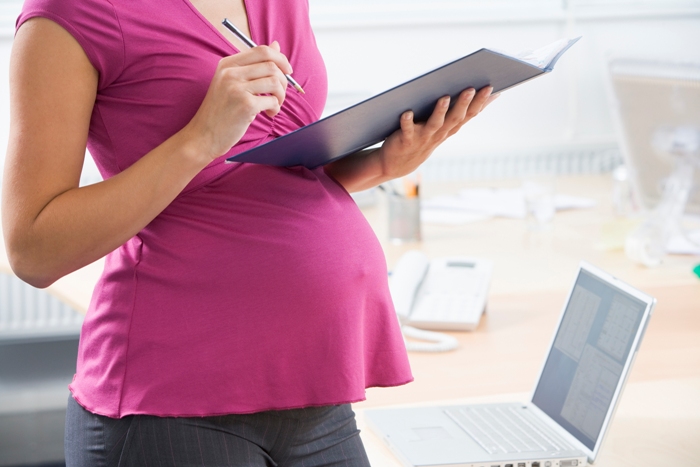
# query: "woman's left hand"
(410, 146)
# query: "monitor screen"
(585, 363)
(652, 96)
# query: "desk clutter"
(534, 198)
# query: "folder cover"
(373, 120)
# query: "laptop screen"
(585, 363)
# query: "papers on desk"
(477, 204)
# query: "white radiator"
(594, 159)
(30, 313)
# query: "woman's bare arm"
(51, 225)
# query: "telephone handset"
(443, 294)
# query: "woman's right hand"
(244, 85)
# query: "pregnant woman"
(242, 307)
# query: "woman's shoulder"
(82, 16)
(93, 23)
(96, 10)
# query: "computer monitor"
(650, 96)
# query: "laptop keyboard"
(505, 429)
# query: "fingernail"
(408, 115)
(445, 100)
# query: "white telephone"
(447, 294)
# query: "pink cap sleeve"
(93, 23)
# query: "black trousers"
(316, 436)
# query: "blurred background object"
(657, 105)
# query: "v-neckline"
(218, 33)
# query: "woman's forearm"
(360, 171)
(81, 225)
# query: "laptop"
(565, 421)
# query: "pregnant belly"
(260, 245)
(265, 285)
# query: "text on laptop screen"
(585, 363)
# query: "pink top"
(258, 288)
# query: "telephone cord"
(437, 342)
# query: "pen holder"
(539, 194)
(404, 218)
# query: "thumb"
(275, 45)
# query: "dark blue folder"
(373, 120)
